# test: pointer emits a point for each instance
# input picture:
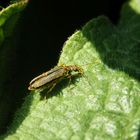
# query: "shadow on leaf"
(118, 47)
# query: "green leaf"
(8, 21)
(104, 102)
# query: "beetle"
(50, 78)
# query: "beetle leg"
(51, 88)
(70, 80)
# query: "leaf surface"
(102, 104)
